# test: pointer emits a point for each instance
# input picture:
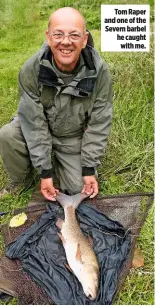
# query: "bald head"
(66, 37)
(70, 15)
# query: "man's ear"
(85, 39)
(47, 37)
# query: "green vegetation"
(127, 166)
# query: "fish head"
(90, 280)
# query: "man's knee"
(6, 133)
(10, 134)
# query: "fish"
(82, 260)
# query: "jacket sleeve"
(33, 122)
(95, 136)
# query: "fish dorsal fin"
(73, 200)
(68, 267)
(90, 239)
(78, 253)
(62, 238)
(59, 223)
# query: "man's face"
(66, 53)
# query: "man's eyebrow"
(72, 31)
(57, 30)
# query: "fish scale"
(71, 230)
(79, 252)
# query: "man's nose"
(66, 41)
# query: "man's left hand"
(90, 185)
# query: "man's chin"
(66, 66)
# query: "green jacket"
(74, 118)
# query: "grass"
(128, 163)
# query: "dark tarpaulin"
(43, 257)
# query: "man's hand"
(90, 185)
(48, 190)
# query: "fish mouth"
(90, 297)
(90, 294)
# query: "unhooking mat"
(44, 261)
(43, 256)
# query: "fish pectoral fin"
(59, 223)
(78, 253)
(62, 238)
(68, 267)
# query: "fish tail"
(74, 200)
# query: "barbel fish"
(81, 258)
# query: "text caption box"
(125, 28)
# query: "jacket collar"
(83, 83)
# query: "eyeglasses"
(59, 37)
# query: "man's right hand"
(48, 190)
